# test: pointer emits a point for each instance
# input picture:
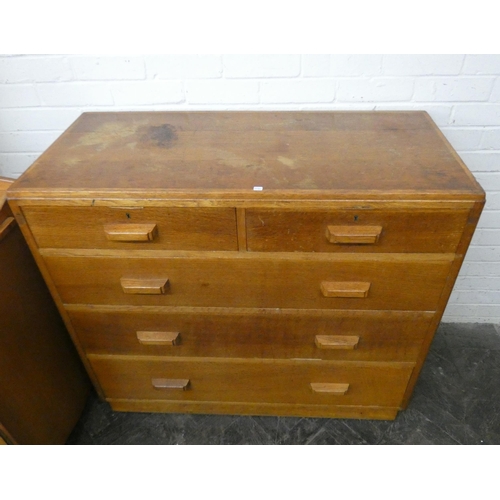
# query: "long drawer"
(133, 228)
(263, 381)
(354, 230)
(339, 281)
(341, 335)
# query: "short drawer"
(133, 228)
(341, 335)
(354, 231)
(401, 282)
(264, 381)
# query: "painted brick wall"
(41, 95)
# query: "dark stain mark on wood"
(163, 136)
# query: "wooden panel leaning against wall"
(43, 387)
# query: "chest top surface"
(287, 154)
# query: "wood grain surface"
(250, 333)
(299, 152)
(401, 230)
(259, 381)
(177, 228)
(253, 280)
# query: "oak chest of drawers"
(272, 263)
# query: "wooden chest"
(268, 263)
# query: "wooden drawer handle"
(131, 232)
(356, 289)
(158, 338)
(145, 286)
(6, 226)
(356, 235)
(171, 383)
(337, 389)
(337, 341)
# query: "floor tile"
(471, 335)
(411, 427)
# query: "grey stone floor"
(456, 401)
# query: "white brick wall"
(40, 96)
(107, 67)
(261, 66)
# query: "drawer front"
(343, 335)
(354, 231)
(340, 283)
(133, 228)
(299, 382)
